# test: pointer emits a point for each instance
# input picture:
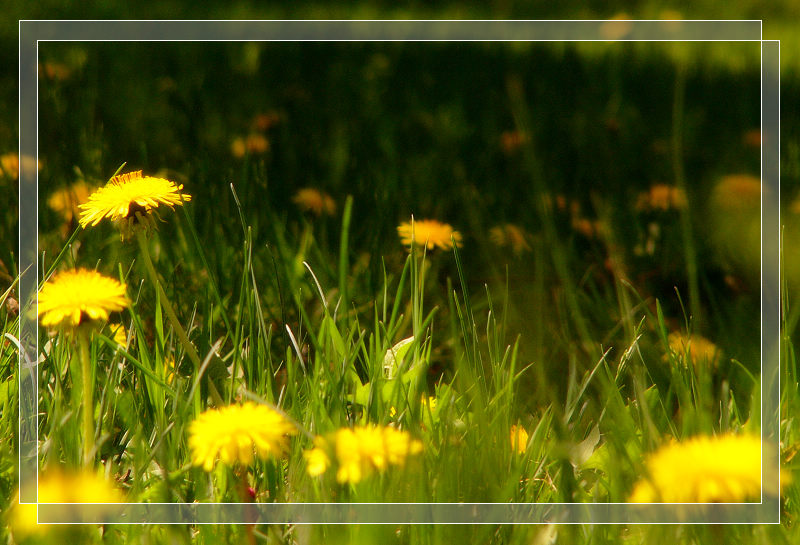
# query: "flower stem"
(87, 397)
(188, 347)
(250, 514)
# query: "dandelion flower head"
(662, 197)
(429, 234)
(510, 236)
(62, 487)
(9, 164)
(254, 144)
(703, 469)
(83, 487)
(120, 334)
(699, 348)
(131, 199)
(315, 201)
(70, 297)
(363, 450)
(738, 192)
(170, 368)
(234, 433)
(317, 460)
(65, 202)
(519, 439)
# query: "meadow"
(401, 272)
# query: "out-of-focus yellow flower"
(662, 197)
(70, 297)
(588, 228)
(84, 487)
(9, 162)
(510, 236)
(511, 141)
(428, 234)
(315, 201)
(361, 451)
(170, 369)
(738, 192)
(700, 350)
(428, 403)
(232, 434)
(120, 334)
(23, 519)
(560, 202)
(131, 200)
(672, 19)
(616, 27)
(317, 460)
(65, 202)
(55, 71)
(62, 487)
(519, 439)
(726, 468)
(254, 144)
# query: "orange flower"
(315, 201)
(662, 197)
(254, 144)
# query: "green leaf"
(393, 358)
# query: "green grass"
(569, 339)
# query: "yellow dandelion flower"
(398, 445)
(23, 519)
(364, 450)
(616, 27)
(317, 460)
(703, 469)
(671, 19)
(428, 233)
(511, 236)
(519, 439)
(120, 334)
(9, 164)
(253, 144)
(238, 147)
(65, 202)
(61, 487)
(588, 228)
(170, 369)
(700, 350)
(662, 197)
(131, 199)
(232, 434)
(315, 201)
(428, 404)
(85, 487)
(738, 192)
(70, 297)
